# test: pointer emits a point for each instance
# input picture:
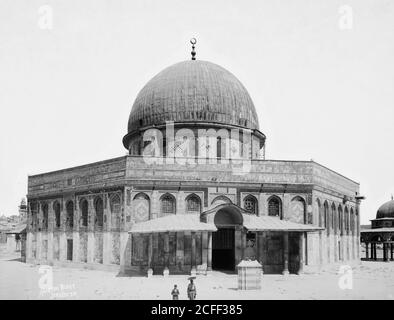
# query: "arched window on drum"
(275, 207)
(193, 204)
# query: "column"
(209, 266)
(366, 250)
(238, 245)
(62, 246)
(51, 222)
(150, 255)
(75, 246)
(285, 253)
(256, 245)
(391, 251)
(166, 271)
(374, 251)
(243, 245)
(107, 250)
(193, 271)
(90, 247)
(384, 252)
(180, 253)
(301, 253)
(39, 234)
(123, 255)
(205, 249)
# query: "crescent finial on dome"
(193, 41)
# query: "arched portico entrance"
(228, 221)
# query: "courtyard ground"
(370, 280)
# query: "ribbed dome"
(192, 91)
(386, 210)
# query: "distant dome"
(386, 210)
(193, 91)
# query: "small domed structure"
(386, 210)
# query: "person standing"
(175, 293)
(191, 290)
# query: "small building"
(381, 233)
(16, 240)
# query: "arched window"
(167, 204)
(250, 204)
(340, 220)
(115, 211)
(219, 147)
(84, 212)
(297, 210)
(334, 218)
(352, 224)
(141, 205)
(99, 208)
(56, 208)
(275, 207)
(309, 217)
(45, 216)
(318, 213)
(34, 214)
(347, 220)
(70, 214)
(326, 217)
(193, 204)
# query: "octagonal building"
(195, 193)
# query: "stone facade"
(115, 194)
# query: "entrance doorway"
(223, 249)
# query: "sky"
(320, 73)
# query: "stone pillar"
(301, 253)
(374, 251)
(260, 253)
(39, 245)
(29, 248)
(75, 246)
(209, 266)
(238, 245)
(285, 253)
(193, 257)
(321, 248)
(385, 252)
(366, 250)
(62, 246)
(180, 203)
(90, 247)
(243, 248)
(204, 239)
(256, 245)
(180, 253)
(106, 247)
(123, 255)
(166, 271)
(150, 255)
